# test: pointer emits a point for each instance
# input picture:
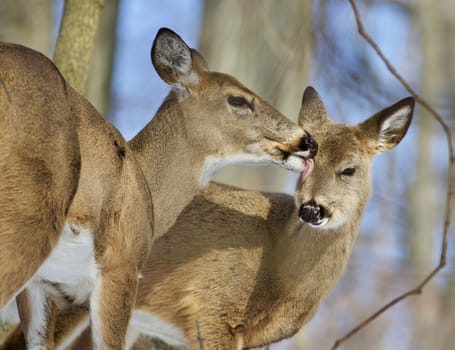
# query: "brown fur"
(62, 162)
(36, 190)
(241, 265)
(239, 269)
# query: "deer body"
(105, 210)
(42, 220)
(256, 287)
(241, 269)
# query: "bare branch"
(450, 186)
(199, 337)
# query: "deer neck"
(310, 260)
(171, 165)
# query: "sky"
(137, 89)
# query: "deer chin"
(327, 224)
(317, 224)
(265, 153)
(293, 163)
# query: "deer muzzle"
(313, 214)
(307, 148)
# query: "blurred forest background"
(277, 48)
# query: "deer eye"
(240, 102)
(348, 172)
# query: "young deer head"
(242, 269)
(340, 185)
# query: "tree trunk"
(424, 199)
(28, 23)
(447, 308)
(99, 81)
(76, 40)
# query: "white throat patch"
(212, 165)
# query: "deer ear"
(174, 61)
(199, 62)
(312, 112)
(386, 129)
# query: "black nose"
(312, 213)
(309, 144)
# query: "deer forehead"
(223, 84)
(339, 145)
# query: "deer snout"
(313, 214)
(308, 147)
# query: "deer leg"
(83, 341)
(71, 331)
(15, 340)
(37, 313)
(23, 252)
(111, 304)
(71, 323)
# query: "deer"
(81, 207)
(242, 269)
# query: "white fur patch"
(39, 308)
(71, 263)
(212, 165)
(132, 335)
(395, 122)
(152, 325)
(294, 163)
(94, 314)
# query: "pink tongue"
(309, 165)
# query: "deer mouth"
(296, 158)
(293, 157)
(313, 214)
(306, 148)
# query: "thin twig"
(2, 83)
(199, 337)
(450, 186)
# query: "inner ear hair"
(387, 128)
(397, 119)
(172, 58)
